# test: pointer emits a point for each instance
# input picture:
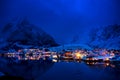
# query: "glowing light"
(107, 59)
(25, 58)
(54, 56)
(54, 60)
(107, 64)
(78, 55)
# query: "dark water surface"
(34, 70)
(82, 71)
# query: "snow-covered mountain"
(106, 37)
(22, 34)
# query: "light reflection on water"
(82, 71)
(63, 70)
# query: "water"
(62, 70)
(82, 71)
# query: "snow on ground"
(70, 46)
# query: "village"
(44, 54)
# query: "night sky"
(63, 19)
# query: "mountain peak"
(24, 33)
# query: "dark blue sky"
(63, 19)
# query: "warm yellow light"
(107, 59)
(107, 64)
(54, 56)
(54, 60)
(78, 55)
(31, 58)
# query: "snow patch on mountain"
(106, 37)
